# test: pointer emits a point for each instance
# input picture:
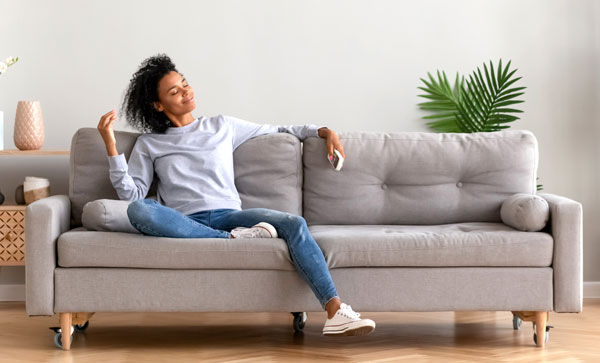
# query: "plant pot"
(29, 126)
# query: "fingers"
(333, 143)
(107, 119)
(109, 112)
(330, 148)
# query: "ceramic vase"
(29, 126)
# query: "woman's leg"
(151, 218)
(304, 251)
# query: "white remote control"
(337, 160)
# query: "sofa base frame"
(538, 318)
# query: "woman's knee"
(139, 210)
(296, 222)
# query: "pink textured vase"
(29, 126)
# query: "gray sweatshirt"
(193, 163)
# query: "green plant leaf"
(482, 102)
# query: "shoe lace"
(254, 232)
(348, 312)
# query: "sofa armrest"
(45, 220)
(566, 226)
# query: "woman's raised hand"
(105, 127)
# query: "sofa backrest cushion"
(417, 177)
(268, 171)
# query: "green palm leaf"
(483, 103)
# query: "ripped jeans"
(151, 218)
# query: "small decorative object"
(35, 188)
(3, 67)
(29, 126)
(7, 63)
(1, 198)
(19, 195)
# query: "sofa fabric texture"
(418, 178)
(566, 227)
(525, 212)
(446, 245)
(45, 220)
(369, 289)
(107, 215)
(82, 248)
(462, 244)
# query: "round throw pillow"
(525, 212)
(107, 215)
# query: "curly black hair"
(138, 102)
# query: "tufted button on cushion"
(384, 186)
(459, 184)
(421, 171)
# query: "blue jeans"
(151, 218)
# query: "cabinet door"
(12, 237)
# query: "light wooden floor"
(268, 337)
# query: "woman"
(197, 198)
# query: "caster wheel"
(83, 327)
(516, 322)
(299, 321)
(58, 339)
(547, 335)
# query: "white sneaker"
(260, 230)
(348, 322)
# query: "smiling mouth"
(188, 100)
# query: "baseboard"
(12, 292)
(591, 289)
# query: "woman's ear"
(158, 107)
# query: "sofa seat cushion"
(82, 248)
(459, 244)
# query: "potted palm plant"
(482, 103)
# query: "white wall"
(353, 65)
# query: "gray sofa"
(411, 223)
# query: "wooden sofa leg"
(65, 328)
(541, 317)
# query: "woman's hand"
(333, 141)
(105, 127)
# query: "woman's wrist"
(323, 132)
(111, 150)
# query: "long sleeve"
(245, 130)
(131, 181)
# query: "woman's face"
(175, 95)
